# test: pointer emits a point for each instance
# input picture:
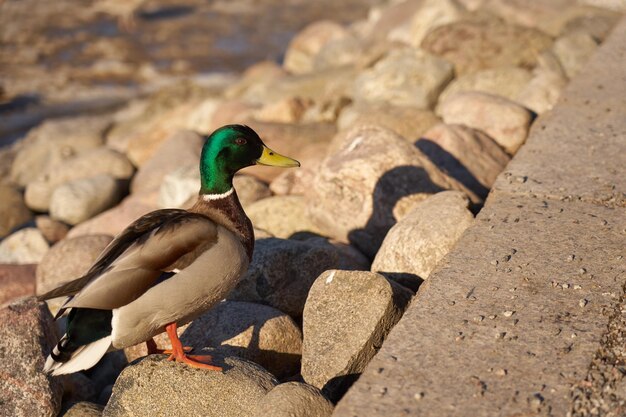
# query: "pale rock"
(302, 49)
(294, 399)
(253, 84)
(28, 334)
(152, 387)
(597, 25)
(384, 20)
(201, 118)
(326, 110)
(468, 155)
(79, 200)
(52, 230)
(232, 112)
(26, 246)
(405, 77)
(320, 86)
(283, 270)
(84, 409)
(432, 14)
(13, 211)
(544, 89)
(114, 220)
(502, 81)
(250, 189)
(338, 52)
(415, 245)
(408, 122)
(53, 142)
(69, 259)
(476, 44)
(16, 281)
(573, 51)
(355, 190)
(347, 316)
(294, 181)
(88, 164)
(282, 216)
(182, 148)
(503, 120)
(287, 110)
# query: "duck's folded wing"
(158, 242)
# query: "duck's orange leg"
(178, 353)
(154, 350)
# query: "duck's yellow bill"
(273, 159)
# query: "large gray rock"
(13, 211)
(357, 188)
(255, 332)
(574, 50)
(79, 200)
(26, 246)
(28, 334)
(502, 81)
(155, 386)
(55, 141)
(303, 48)
(416, 244)
(346, 318)
(86, 165)
(405, 77)
(475, 44)
(503, 120)
(408, 122)
(294, 399)
(282, 216)
(69, 259)
(468, 155)
(282, 272)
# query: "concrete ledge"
(515, 317)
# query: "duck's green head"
(229, 149)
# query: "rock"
(250, 189)
(307, 43)
(503, 81)
(282, 216)
(13, 211)
(26, 246)
(69, 259)
(255, 81)
(408, 122)
(357, 187)
(28, 334)
(405, 77)
(544, 89)
(350, 258)
(346, 318)
(598, 26)
(156, 386)
(468, 155)
(326, 111)
(86, 165)
(84, 409)
(182, 148)
(294, 181)
(294, 399)
(415, 245)
(79, 200)
(573, 51)
(201, 119)
(233, 111)
(16, 281)
(77, 387)
(431, 15)
(255, 332)
(52, 230)
(282, 272)
(503, 120)
(338, 52)
(383, 20)
(473, 45)
(55, 141)
(287, 110)
(114, 220)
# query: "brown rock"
(156, 386)
(468, 155)
(305, 45)
(69, 259)
(250, 189)
(28, 334)
(16, 281)
(294, 181)
(255, 80)
(502, 81)
(346, 318)
(282, 216)
(416, 244)
(13, 211)
(477, 44)
(294, 399)
(503, 120)
(52, 230)
(287, 110)
(84, 409)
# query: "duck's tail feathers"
(84, 357)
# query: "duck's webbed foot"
(178, 352)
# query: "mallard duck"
(167, 267)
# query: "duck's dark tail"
(87, 339)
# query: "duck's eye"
(240, 141)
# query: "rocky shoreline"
(401, 121)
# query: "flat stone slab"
(514, 320)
